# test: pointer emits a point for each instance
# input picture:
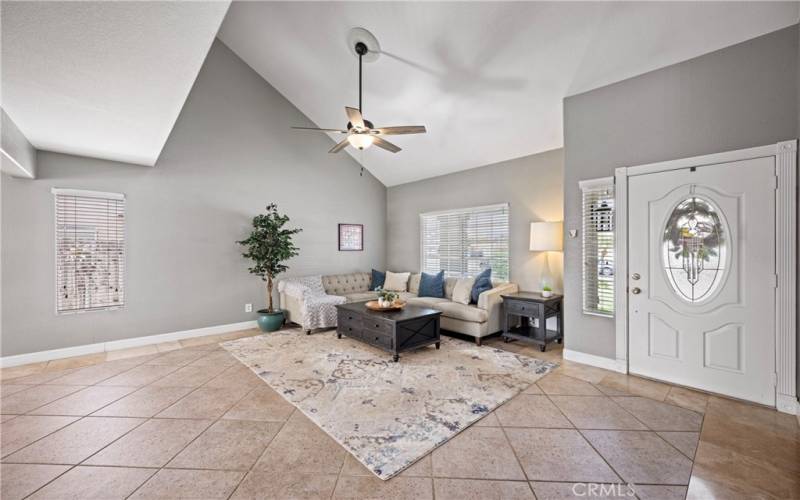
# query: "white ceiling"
(487, 79)
(103, 79)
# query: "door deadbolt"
(635, 276)
(636, 291)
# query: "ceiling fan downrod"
(361, 50)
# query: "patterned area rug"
(388, 415)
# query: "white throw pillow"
(396, 282)
(463, 290)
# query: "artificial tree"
(269, 246)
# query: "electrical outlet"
(248, 308)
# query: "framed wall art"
(351, 237)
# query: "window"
(598, 246)
(694, 249)
(465, 242)
(90, 250)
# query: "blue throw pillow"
(431, 285)
(483, 282)
(377, 279)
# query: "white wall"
(18, 157)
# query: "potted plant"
(547, 291)
(386, 298)
(268, 247)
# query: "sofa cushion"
(431, 302)
(377, 279)
(361, 296)
(432, 285)
(341, 284)
(462, 293)
(449, 285)
(483, 282)
(406, 295)
(462, 311)
(397, 282)
(413, 283)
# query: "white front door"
(701, 283)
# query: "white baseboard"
(787, 404)
(116, 345)
(615, 365)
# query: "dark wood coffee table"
(392, 331)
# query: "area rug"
(388, 415)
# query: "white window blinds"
(90, 250)
(464, 242)
(598, 246)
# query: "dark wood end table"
(393, 331)
(527, 305)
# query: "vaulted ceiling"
(103, 79)
(486, 78)
(108, 79)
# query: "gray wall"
(742, 96)
(230, 153)
(531, 184)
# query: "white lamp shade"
(546, 236)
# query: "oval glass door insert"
(695, 249)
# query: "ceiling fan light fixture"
(361, 133)
(360, 141)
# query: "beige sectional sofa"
(477, 320)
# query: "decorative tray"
(373, 305)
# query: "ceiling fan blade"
(388, 146)
(321, 129)
(354, 115)
(406, 129)
(340, 146)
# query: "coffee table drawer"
(377, 338)
(377, 325)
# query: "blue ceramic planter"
(270, 321)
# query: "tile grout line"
(656, 432)
(514, 451)
(647, 429)
(77, 417)
(213, 421)
(73, 466)
(244, 476)
(619, 476)
(339, 476)
(696, 448)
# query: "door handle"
(636, 291)
(635, 276)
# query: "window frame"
(464, 210)
(56, 192)
(588, 188)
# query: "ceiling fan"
(361, 133)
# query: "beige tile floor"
(186, 420)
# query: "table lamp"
(546, 237)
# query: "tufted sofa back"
(340, 284)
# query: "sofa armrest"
(491, 299)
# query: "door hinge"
(774, 281)
(774, 380)
(775, 182)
